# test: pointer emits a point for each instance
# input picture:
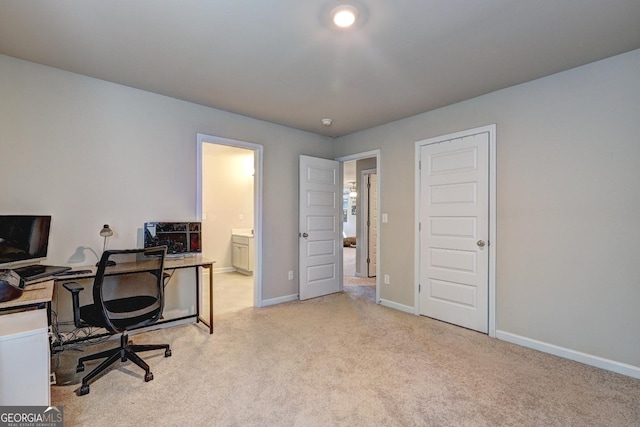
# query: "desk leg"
(210, 298)
(210, 322)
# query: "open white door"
(454, 231)
(320, 227)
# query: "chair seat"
(92, 314)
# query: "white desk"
(24, 367)
(24, 339)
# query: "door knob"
(305, 235)
(480, 243)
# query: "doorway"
(229, 201)
(360, 206)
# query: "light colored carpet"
(342, 360)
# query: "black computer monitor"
(23, 238)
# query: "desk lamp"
(106, 232)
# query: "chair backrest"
(130, 292)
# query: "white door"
(372, 224)
(454, 231)
(320, 227)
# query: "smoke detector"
(327, 122)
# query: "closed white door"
(372, 223)
(454, 231)
(320, 225)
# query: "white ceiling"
(281, 60)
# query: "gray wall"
(568, 257)
(89, 152)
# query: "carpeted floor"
(342, 360)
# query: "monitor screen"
(23, 237)
(178, 237)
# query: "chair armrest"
(75, 289)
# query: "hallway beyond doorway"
(349, 270)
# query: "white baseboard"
(223, 270)
(294, 297)
(587, 359)
(279, 300)
(396, 306)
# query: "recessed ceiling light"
(344, 16)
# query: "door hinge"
(368, 260)
(419, 164)
(419, 227)
(419, 288)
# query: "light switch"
(385, 218)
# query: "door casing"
(493, 243)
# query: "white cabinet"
(24, 359)
(242, 253)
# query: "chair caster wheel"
(148, 377)
(84, 389)
(167, 353)
(80, 368)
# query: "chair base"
(126, 351)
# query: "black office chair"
(126, 296)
